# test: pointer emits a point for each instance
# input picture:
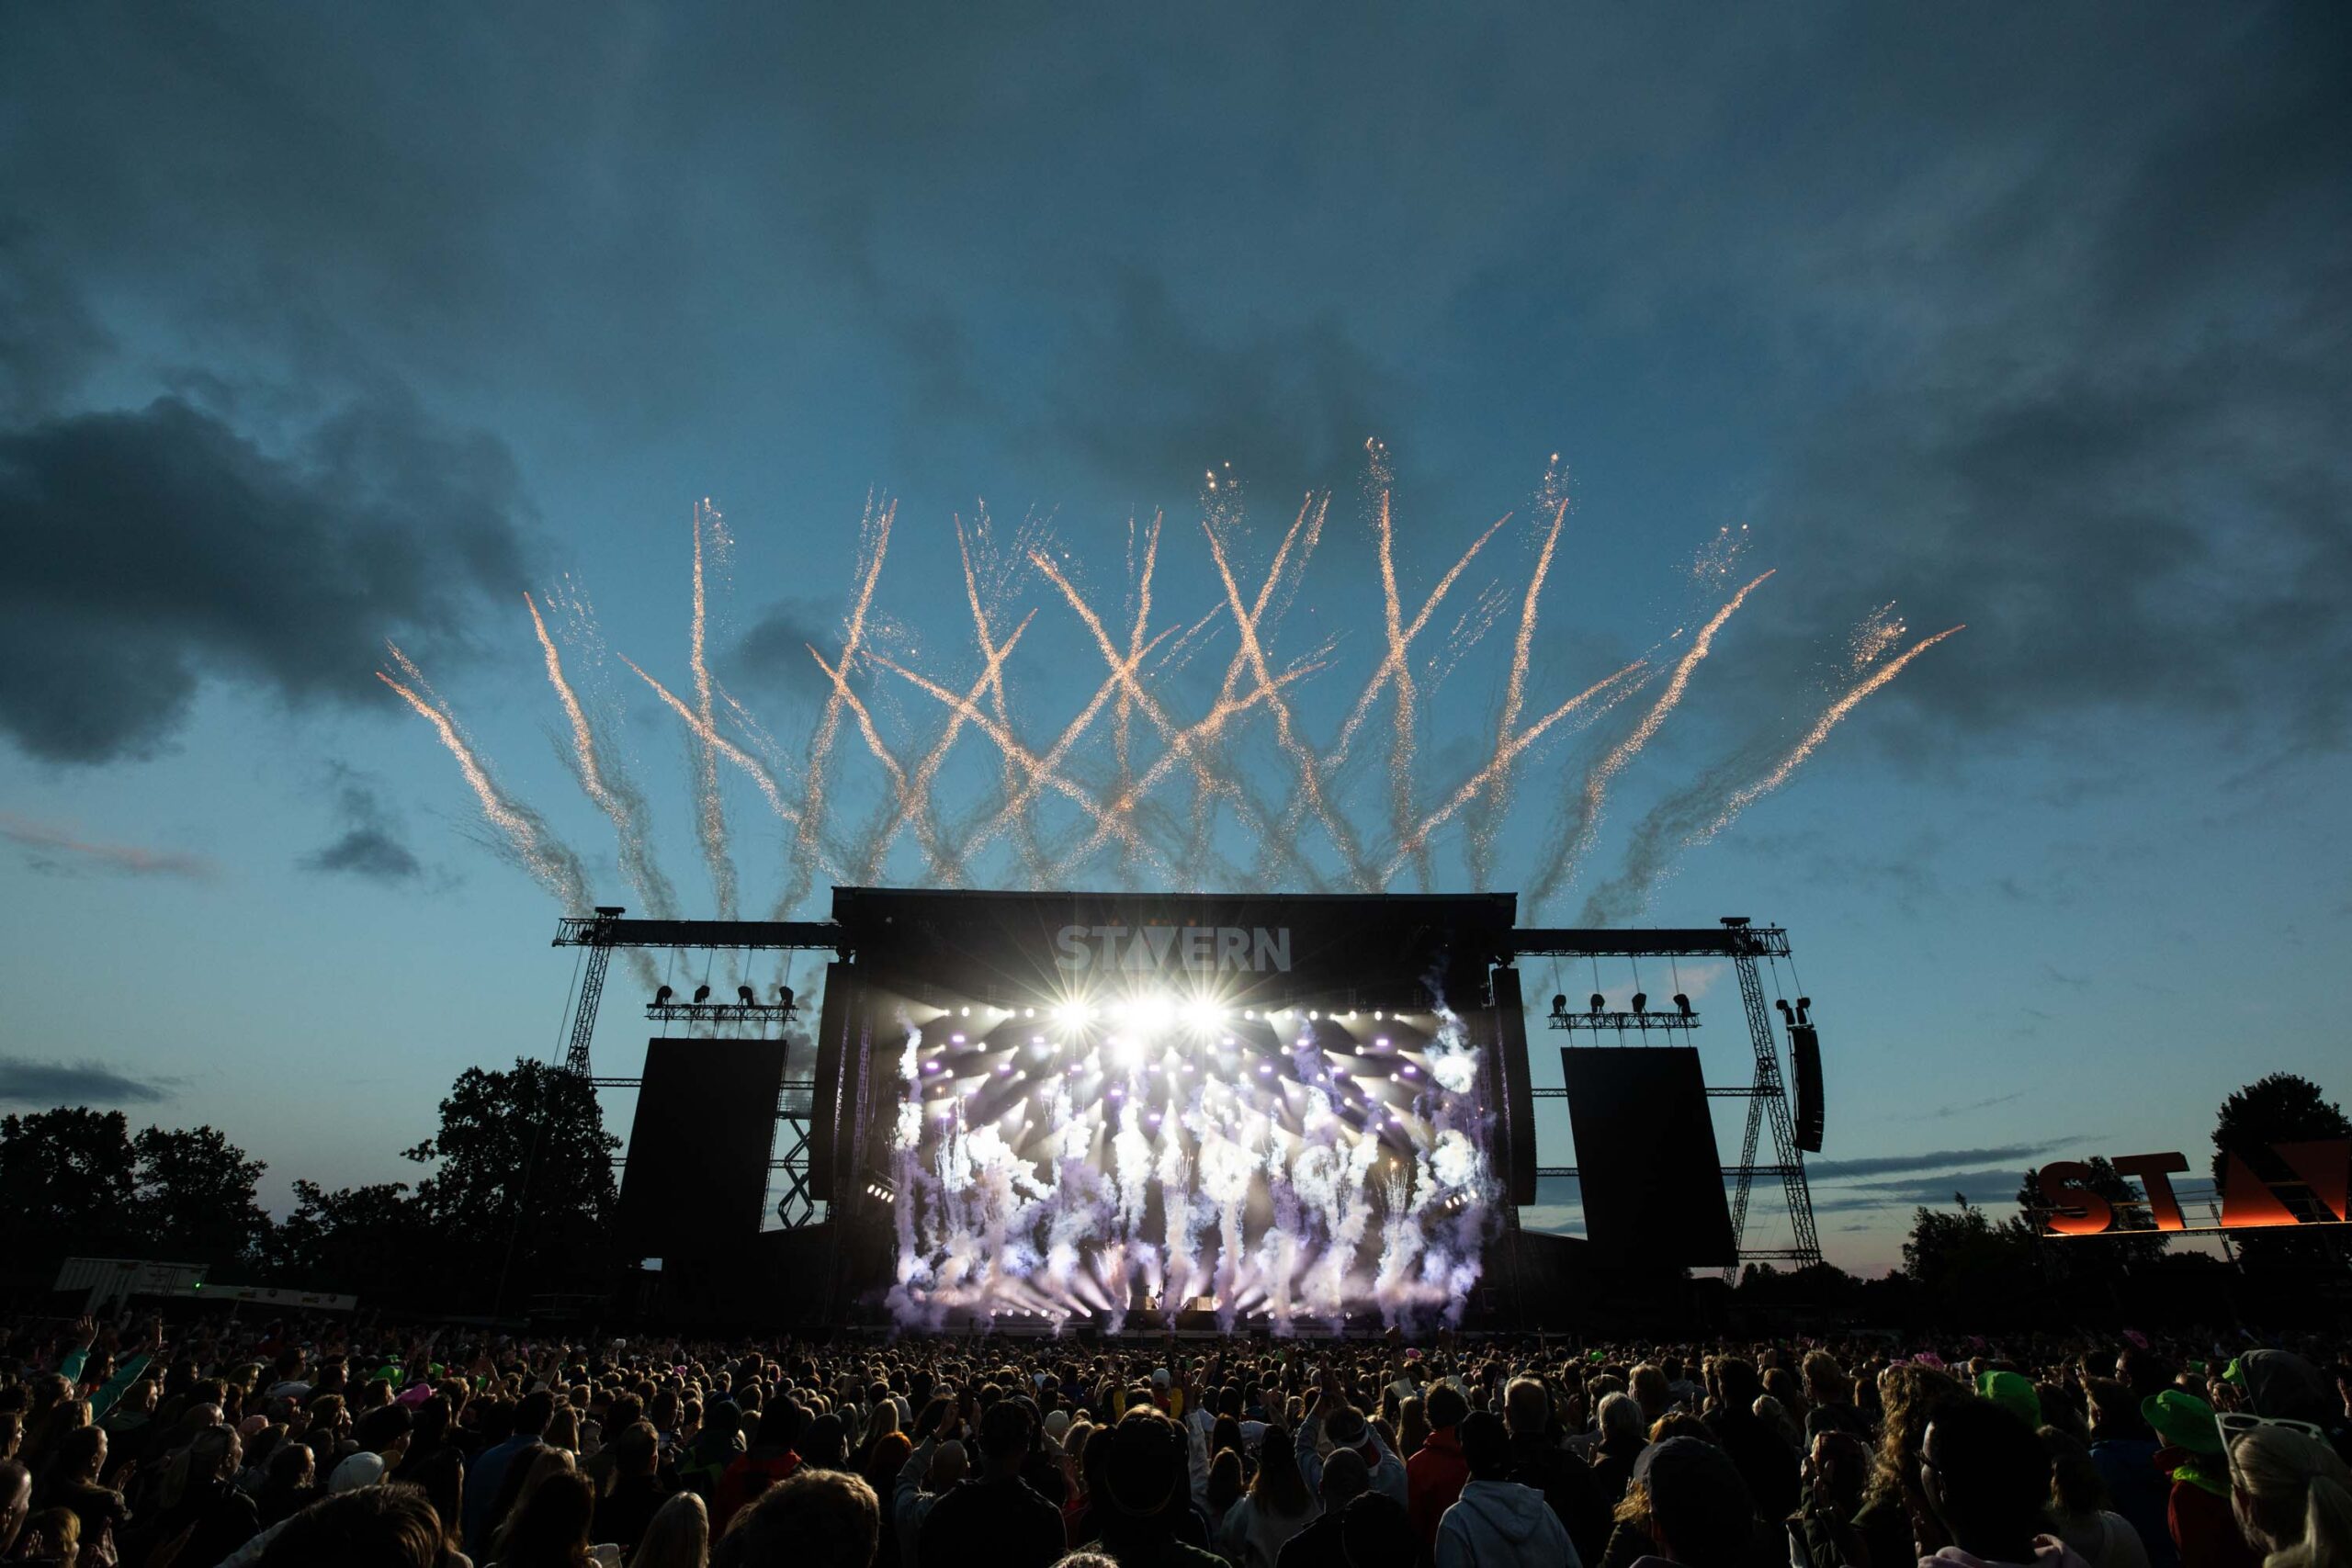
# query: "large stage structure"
(1294, 1112)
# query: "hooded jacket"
(1500, 1524)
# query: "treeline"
(1968, 1265)
(515, 1198)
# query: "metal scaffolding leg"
(1767, 1103)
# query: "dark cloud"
(27, 1082)
(154, 548)
(57, 851)
(1985, 1189)
(47, 335)
(1152, 397)
(1931, 1159)
(369, 844)
(772, 653)
(2110, 364)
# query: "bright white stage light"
(1155, 1014)
(1202, 1017)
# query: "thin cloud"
(1929, 1159)
(369, 845)
(27, 1082)
(54, 850)
(1945, 1113)
(1983, 1189)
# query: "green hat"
(2183, 1421)
(2011, 1393)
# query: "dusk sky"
(322, 326)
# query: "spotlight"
(1312, 1016)
(662, 997)
(783, 997)
(1599, 1002)
(702, 995)
(1682, 1004)
(966, 1013)
(743, 994)
(1560, 1003)
(1028, 1013)
(1641, 1002)
(1249, 1013)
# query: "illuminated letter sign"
(2323, 1168)
(1189, 949)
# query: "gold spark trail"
(554, 866)
(1496, 805)
(874, 531)
(1498, 768)
(1287, 735)
(612, 795)
(1111, 821)
(1556, 868)
(915, 800)
(1178, 741)
(1123, 710)
(902, 787)
(1033, 858)
(759, 774)
(1698, 813)
(1820, 731)
(1278, 849)
(710, 809)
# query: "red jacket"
(744, 1480)
(1434, 1479)
(2205, 1529)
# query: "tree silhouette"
(2104, 1260)
(68, 1179)
(194, 1191)
(523, 1185)
(2280, 1109)
(1970, 1267)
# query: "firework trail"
(710, 809)
(1491, 808)
(750, 765)
(1302, 754)
(1033, 858)
(1186, 744)
(1820, 730)
(1278, 850)
(1613, 687)
(875, 540)
(1576, 833)
(1110, 819)
(1123, 709)
(913, 802)
(606, 785)
(1199, 735)
(1697, 814)
(521, 834)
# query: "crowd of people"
(290, 1444)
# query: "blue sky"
(319, 328)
